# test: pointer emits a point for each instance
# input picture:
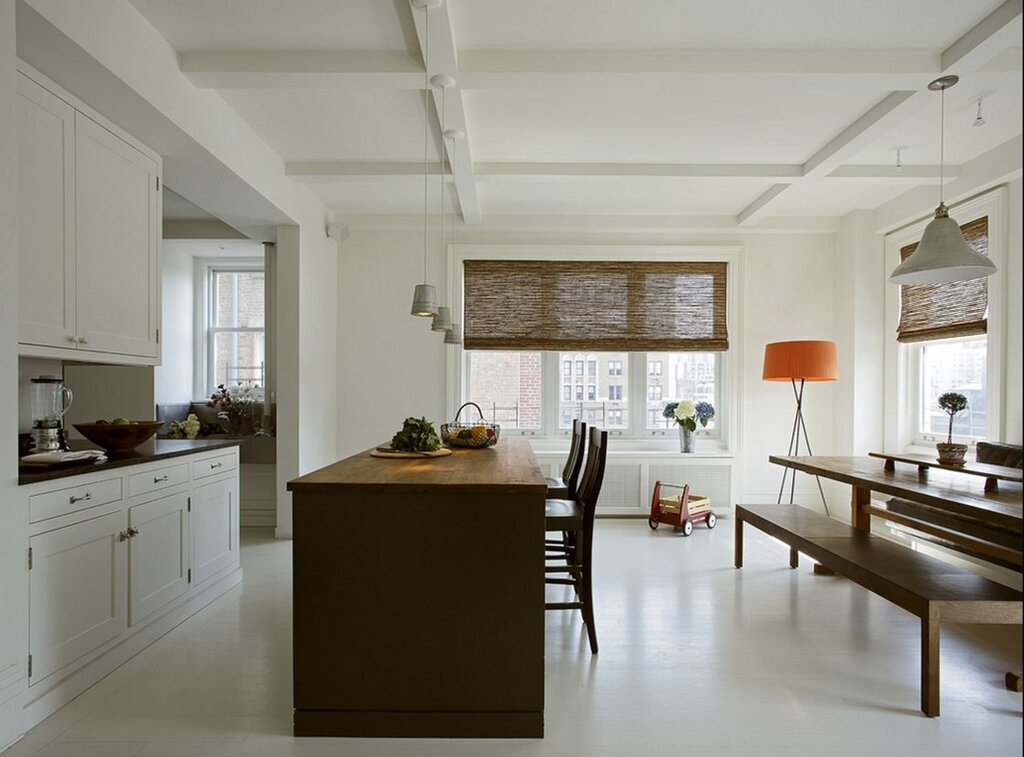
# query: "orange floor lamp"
(799, 362)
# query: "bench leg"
(1013, 681)
(794, 558)
(738, 550)
(930, 663)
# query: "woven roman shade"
(941, 311)
(594, 305)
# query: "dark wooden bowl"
(121, 438)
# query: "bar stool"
(565, 487)
(575, 517)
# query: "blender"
(49, 400)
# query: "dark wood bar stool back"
(575, 519)
(565, 487)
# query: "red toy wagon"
(680, 510)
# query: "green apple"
(120, 422)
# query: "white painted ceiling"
(593, 107)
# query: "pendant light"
(942, 255)
(424, 299)
(454, 333)
(443, 319)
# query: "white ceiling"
(593, 107)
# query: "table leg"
(794, 558)
(860, 518)
(930, 663)
(738, 555)
(1013, 681)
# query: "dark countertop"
(154, 449)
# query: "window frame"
(204, 270)
(636, 437)
(903, 361)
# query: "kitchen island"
(419, 596)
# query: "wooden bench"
(929, 588)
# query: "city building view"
(955, 366)
(236, 328)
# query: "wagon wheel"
(687, 527)
(653, 524)
(712, 520)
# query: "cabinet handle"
(132, 531)
(84, 498)
(73, 339)
(215, 465)
(82, 340)
(160, 479)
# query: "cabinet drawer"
(154, 480)
(214, 466)
(73, 498)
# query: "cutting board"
(379, 452)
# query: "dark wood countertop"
(151, 451)
(508, 466)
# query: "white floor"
(696, 658)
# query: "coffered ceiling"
(740, 109)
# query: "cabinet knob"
(72, 338)
(82, 340)
(132, 531)
(123, 536)
(84, 498)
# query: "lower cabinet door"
(76, 592)
(214, 528)
(157, 554)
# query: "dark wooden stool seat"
(562, 514)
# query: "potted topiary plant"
(949, 453)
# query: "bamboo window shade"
(594, 305)
(941, 311)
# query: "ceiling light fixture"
(942, 255)
(442, 319)
(979, 121)
(424, 299)
(899, 158)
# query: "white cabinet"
(122, 554)
(157, 554)
(214, 527)
(77, 592)
(89, 231)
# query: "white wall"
(173, 377)
(1014, 377)
(13, 509)
(393, 366)
(107, 392)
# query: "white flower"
(685, 410)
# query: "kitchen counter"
(151, 451)
(418, 589)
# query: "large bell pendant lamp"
(943, 254)
(424, 298)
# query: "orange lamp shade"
(810, 360)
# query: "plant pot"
(685, 439)
(951, 454)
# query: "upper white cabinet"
(88, 233)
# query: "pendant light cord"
(444, 122)
(942, 141)
(426, 119)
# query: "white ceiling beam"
(881, 69)
(444, 60)
(991, 35)
(365, 69)
(349, 171)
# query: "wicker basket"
(479, 434)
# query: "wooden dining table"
(961, 495)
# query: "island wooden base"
(418, 591)
(420, 725)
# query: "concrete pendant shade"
(443, 320)
(454, 335)
(942, 256)
(424, 301)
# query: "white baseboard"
(41, 704)
(257, 518)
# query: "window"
(591, 367)
(686, 376)
(566, 367)
(614, 418)
(958, 365)
(508, 388)
(579, 392)
(615, 392)
(591, 392)
(654, 392)
(614, 367)
(654, 367)
(235, 339)
(567, 392)
(592, 406)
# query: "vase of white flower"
(687, 415)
